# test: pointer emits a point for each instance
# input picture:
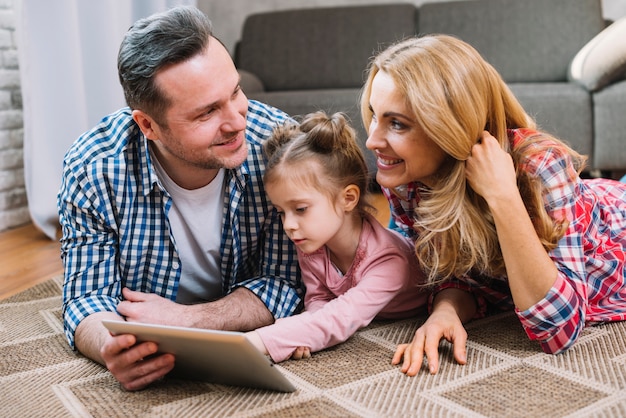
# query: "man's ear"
(351, 195)
(147, 125)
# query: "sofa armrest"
(602, 60)
(250, 83)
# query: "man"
(164, 215)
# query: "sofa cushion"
(249, 82)
(526, 41)
(563, 109)
(610, 127)
(322, 47)
(603, 59)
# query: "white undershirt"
(196, 222)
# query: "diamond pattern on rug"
(372, 360)
(33, 354)
(308, 409)
(498, 394)
(104, 396)
(504, 333)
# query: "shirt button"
(175, 265)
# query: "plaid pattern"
(114, 215)
(590, 287)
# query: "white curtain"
(68, 67)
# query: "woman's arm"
(530, 270)
(548, 289)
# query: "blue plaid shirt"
(114, 216)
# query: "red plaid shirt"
(590, 257)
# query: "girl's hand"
(301, 353)
(444, 323)
(489, 169)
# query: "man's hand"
(149, 308)
(135, 366)
(240, 310)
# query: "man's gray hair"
(152, 43)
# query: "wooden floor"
(28, 257)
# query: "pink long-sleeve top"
(383, 281)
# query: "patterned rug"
(506, 376)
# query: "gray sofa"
(308, 59)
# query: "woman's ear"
(351, 195)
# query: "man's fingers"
(133, 296)
(148, 371)
(115, 345)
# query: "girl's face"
(404, 152)
(310, 219)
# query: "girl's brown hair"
(322, 151)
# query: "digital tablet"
(224, 357)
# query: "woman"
(497, 210)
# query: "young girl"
(354, 269)
(499, 215)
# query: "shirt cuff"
(280, 299)
(556, 320)
(481, 303)
(77, 310)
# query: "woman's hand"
(530, 271)
(490, 170)
(451, 308)
(426, 341)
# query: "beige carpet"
(506, 376)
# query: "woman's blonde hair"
(456, 95)
(328, 141)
